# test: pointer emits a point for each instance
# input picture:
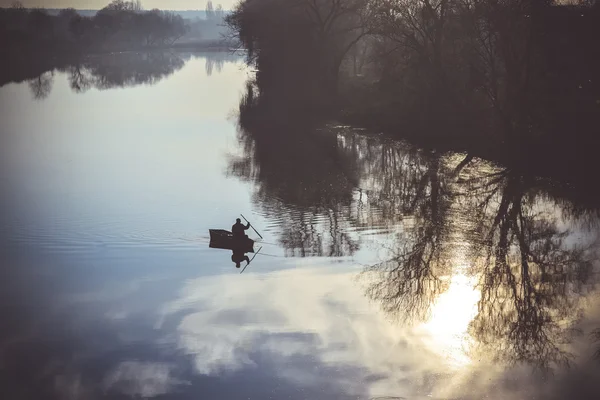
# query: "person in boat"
(239, 228)
(238, 256)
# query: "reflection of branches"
(208, 67)
(304, 179)
(80, 79)
(42, 85)
(320, 186)
(215, 61)
(122, 70)
(219, 63)
(313, 233)
(596, 338)
(112, 71)
(408, 284)
(132, 69)
(309, 177)
(530, 277)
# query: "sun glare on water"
(450, 317)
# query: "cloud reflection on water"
(307, 332)
(308, 313)
(142, 379)
(230, 325)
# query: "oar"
(252, 226)
(252, 259)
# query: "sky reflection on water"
(385, 270)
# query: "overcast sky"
(97, 4)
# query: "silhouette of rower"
(239, 228)
(238, 256)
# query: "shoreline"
(568, 166)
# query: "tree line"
(475, 73)
(121, 25)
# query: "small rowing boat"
(222, 239)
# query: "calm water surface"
(385, 271)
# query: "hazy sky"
(97, 4)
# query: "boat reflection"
(239, 246)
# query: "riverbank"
(564, 155)
(517, 85)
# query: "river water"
(385, 271)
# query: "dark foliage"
(515, 81)
(298, 46)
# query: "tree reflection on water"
(527, 251)
(532, 276)
(305, 180)
(122, 70)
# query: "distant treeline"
(202, 25)
(185, 14)
(501, 78)
(121, 25)
(32, 40)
